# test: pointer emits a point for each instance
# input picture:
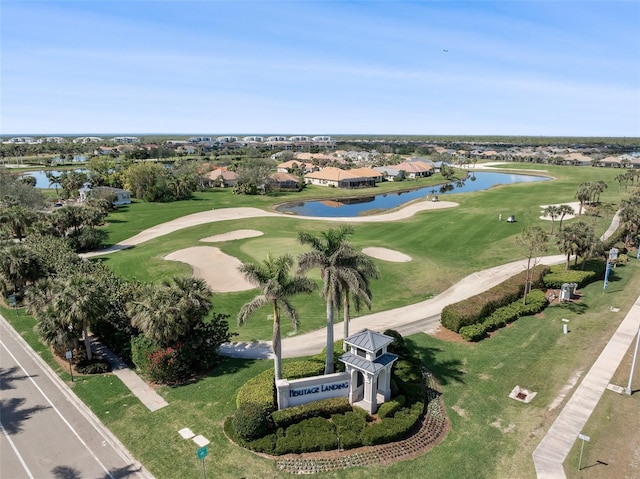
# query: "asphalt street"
(46, 431)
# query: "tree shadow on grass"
(446, 371)
(576, 308)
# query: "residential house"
(415, 169)
(121, 197)
(284, 181)
(287, 166)
(339, 178)
(222, 177)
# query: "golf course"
(418, 256)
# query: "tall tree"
(564, 211)
(169, 311)
(364, 269)
(534, 240)
(552, 211)
(277, 287)
(331, 253)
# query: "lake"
(346, 207)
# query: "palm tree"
(328, 253)
(553, 212)
(565, 210)
(80, 302)
(53, 181)
(277, 287)
(18, 266)
(364, 269)
(166, 312)
(18, 219)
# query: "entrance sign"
(366, 381)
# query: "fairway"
(444, 244)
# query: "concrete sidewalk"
(145, 393)
(554, 448)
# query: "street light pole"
(633, 363)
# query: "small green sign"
(202, 452)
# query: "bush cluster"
(95, 366)
(250, 421)
(324, 408)
(558, 276)
(473, 310)
(536, 302)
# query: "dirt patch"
(461, 412)
(386, 254)
(219, 270)
(445, 334)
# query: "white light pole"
(633, 363)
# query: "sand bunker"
(386, 254)
(575, 205)
(233, 235)
(219, 270)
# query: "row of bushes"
(536, 302)
(473, 310)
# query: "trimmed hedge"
(250, 421)
(95, 366)
(558, 276)
(261, 389)
(324, 408)
(393, 428)
(536, 302)
(473, 310)
(389, 408)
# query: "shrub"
(324, 408)
(473, 310)
(349, 426)
(258, 390)
(314, 434)
(536, 302)
(250, 421)
(389, 408)
(393, 428)
(473, 332)
(558, 276)
(95, 366)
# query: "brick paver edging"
(433, 428)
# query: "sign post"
(201, 454)
(69, 356)
(583, 438)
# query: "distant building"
(125, 140)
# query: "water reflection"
(336, 207)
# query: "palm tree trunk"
(346, 321)
(276, 344)
(87, 344)
(328, 368)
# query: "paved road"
(420, 317)
(46, 431)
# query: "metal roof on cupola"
(368, 340)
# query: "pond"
(41, 177)
(345, 207)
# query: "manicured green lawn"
(492, 436)
(445, 245)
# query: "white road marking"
(58, 412)
(15, 450)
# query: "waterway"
(346, 207)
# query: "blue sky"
(566, 68)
